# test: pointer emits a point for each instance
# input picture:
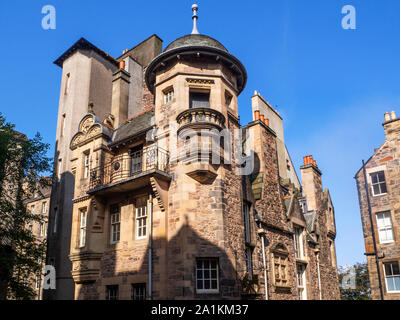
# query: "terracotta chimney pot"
(257, 115)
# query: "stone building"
(381, 218)
(39, 204)
(162, 194)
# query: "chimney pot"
(122, 64)
(267, 122)
(393, 115)
(387, 116)
(257, 115)
(262, 118)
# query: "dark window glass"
(139, 291)
(199, 100)
(378, 183)
(112, 293)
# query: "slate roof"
(310, 220)
(133, 126)
(195, 40)
(82, 43)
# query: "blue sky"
(332, 86)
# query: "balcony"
(129, 171)
(201, 117)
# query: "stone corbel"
(97, 209)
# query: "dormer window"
(199, 99)
(168, 95)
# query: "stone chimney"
(120, 94)
(391, 126)
(311, 181)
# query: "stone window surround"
(375, 222)
(377, 228)
(382, 266)
(369, 180)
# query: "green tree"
(21, 160)
(360, 278)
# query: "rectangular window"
(33, 209)
(199, 99)
(301, 281)
(112, 293)
(392, 276)
(55, 220)
(30, 228)
(38, 280)
(46, 225)
(59, 168)
(378, 183)
(139, 291)
(115, 223)
(62, 124)
(207, 276)
(141, 218)
(298, 242)
(41, 229)
(44, 207)
(168, 95)
(82, 227)
(66, 89)
(136, 159)
(385, 227)
(86, 161)
(246, 216)
(249, 261)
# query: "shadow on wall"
(58, 241)
(180, 265)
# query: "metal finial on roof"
(195, 7)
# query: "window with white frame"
(112, 293)
(298, 242)
(385, 227)
(246, 216)
(141, 218)
(301, 281)
(207, 276)
(378, 183)
(139, 291)
(37, 282)
(168, 95)
(41, 229)
(115, 223)
(392, 276)
(86, 161)
(82, 227)
(44, 207)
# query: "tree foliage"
(360, 279)
(21, 161)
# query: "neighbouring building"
(154, 199)
(381, 218)
(39, 205)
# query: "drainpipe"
(373, 231)
(150, 246)
(265, 266)
(319, 276)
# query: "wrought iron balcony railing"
(122, 167)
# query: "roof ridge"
(138, 115)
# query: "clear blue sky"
(332, 86)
